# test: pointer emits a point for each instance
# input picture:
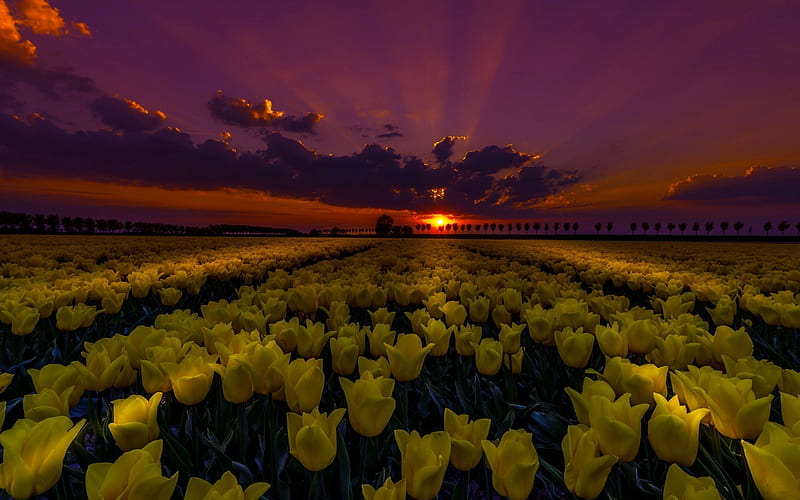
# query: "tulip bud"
(312, 437)
(465, 439)
(370, 403)
(406, 357)
(617, 425)
(378, 367)
(344, 355)
(389, 491)
(682, 486)
(424, 461)
(673, 432)
(585, 469)
(438, 335)
(33, 454)
(773, 462)
(455, 313)
(479, 310)
(226, 487)
(513, 462)
(136, 472)
(465, 335)
(134, 422)
(574, 347)
(580, 400)
(488, 356)
(379, 335)
(303, 382)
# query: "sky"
(309, 114)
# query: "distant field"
(533, 368)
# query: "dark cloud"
(241, 113)
(761, 184)
(493, 180)
(389, 131)
(443, 148)
(126, 115)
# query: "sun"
(440, 222)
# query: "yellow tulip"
(344, 355)
(378, 367)
(6, 378)
(641, 381)
(541, 325)
(285, 333)
(134, 422)
(191, 378)
(170, 296)
(764, 374)
(465, 335)
(58, 378)
(379, 335)
(580, 400)
(269, 363)
(418, 318)
(389, 491)
(479, 310)
(790, 412)
(33, 454)
(311, 338)
(641, 335)
(226, 487)
(513, 462)
(70, 318)
(585, 469)
(24, 320)
(510, 337)
(438, 335)
(674, 351)
(2, 413)
(617, 425)
(312, 437)
(673, 432)
(788, 383)
(774, 462)
(735, 410)
(514, 362)
(237, 378)
(611, 341)
(686, 385)
(674, 306)
(381, 315)
(681, 486)
(221, 333)
(424, 461)
(501, 316)
(407, 356)
(465, 439)
(574, 347)
(106, 368)
(434, 304)
(370, 404)
(454, 312)
(136, 475)
(724, 311)
(488, 356)
(358, 334)
(45, 404)
(734, 343)
(303, 382)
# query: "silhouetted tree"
(597, 227)
(798, 228)
(737, 226)
(501, 226)
(783, 226)
(696, 228)
(89, 225)
(709, 227)
(519, 227)
(485, 226)
(767, 227)
(52, 223)
(724, 226)
(574, 228)
(657, 227)
(633, 227)
(493, 225)
(566, 227)
(448, 227)
(556, 226)
(670, 227)
(66, 224)
(609, 226)
(527, 227)
(682, 227)
(469, 227)
(546, 226)
(645, 227)
(536, 227)
(39, 222)
(383, 226)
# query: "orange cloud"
(38, 16)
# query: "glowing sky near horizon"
(554, 110)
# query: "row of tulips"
(181, 353)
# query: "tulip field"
(348, 368)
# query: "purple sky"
(556, 110)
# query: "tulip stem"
(195, 439)
(242, 434)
